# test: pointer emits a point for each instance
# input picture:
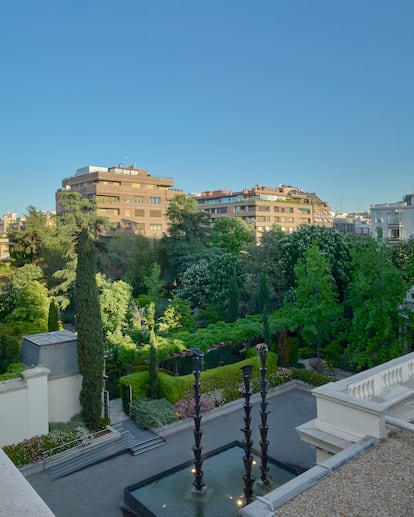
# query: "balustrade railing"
(382, 380)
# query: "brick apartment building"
(127, 196)
(285, 206)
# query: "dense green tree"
(145, 254)
(53, 322)
(9, 349)
(29, 243)
(208, 281)
(176, 317)
(379, 312)
(116, 303)
(128, 256)
(30, 314)
(265, 258)
(313, 305)
(402, 255)
(232, 234)
(89, 331)
(24, 301)
(266, 326)
(263, 294)
(153, 283)
(76, 214)
(18, 279)
(233, 308)
(187, 236)
(334, 245)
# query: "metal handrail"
(82, 441)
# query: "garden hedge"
(227, 378)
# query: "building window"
(139, 212)
(155, 213)
(276, 209)
(155, 200)
(107, 199)
(136, 185)
(139, 200)
(155, 227)
(111, 183)
(108, 212)
(127, 212)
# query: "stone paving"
(98, 489)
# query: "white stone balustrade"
(378, 380)
(355, 407)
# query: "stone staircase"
(140, 448)
(118, 441)
(142, 444)
(80, 457)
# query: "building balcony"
(365, 404)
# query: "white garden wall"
(24, 406)
(63, 396)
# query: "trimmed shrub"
(139, 384)
(227, 379)
(311, 377)
(74, 424)
(14, 371)
(151, 413)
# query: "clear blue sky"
(216, 94)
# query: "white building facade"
(394, 221)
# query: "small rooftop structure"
(55, 350)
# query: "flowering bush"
(33, 449)
(282, 374)
(217, 396)
(185, 408)
(273, 379)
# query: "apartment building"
(394, 221)
(9, 221)
(260, 206)
(129, 197)
(357, 223)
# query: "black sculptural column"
(248, 442)
(263, 427)
(198, 484)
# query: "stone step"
(88, 456)
(147, 445)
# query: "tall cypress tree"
(53, 319)
(90, 334)
(233, 310)
(153, 359)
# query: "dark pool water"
(171, 495)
